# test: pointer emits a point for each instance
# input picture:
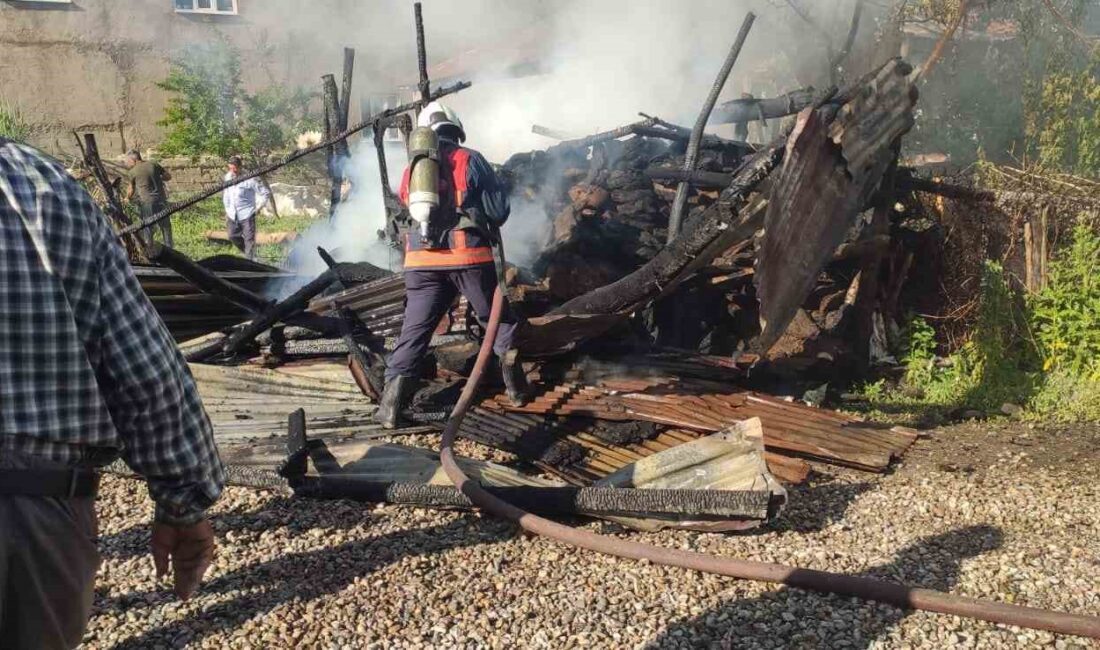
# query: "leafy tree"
(211, 113)
(1035, 94)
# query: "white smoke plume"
(351, 235)
(597, 63)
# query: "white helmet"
(436, 115)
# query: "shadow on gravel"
(278, 512)
(259, 588)
(815, 506)
(794, 618)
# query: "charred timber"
(696, 178)
(292, 306)
(90, 151)
(291, 157)
(709, 141)
(739, 111)
(206, 279)
(338, 152)
(360, 363)
(719, 220)
(676, 214)
(209, 282)
(345, 88)
(597, 501)
(424, 86)
(597, 138)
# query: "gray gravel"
(342, 575)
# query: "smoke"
(587, 66)
(352, 233)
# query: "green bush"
(210, 112)
(1065, 127)
(1043, 352)
(1065, 314)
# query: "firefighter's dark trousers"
(428, 296)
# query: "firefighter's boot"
(395, 398)
(515, 382)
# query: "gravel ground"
(342, 575)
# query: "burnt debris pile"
(639, 334)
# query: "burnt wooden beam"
(360, 363)
(596, 501)
(424, 86)
(675, 215)
(596, 138)
(206, 279)
(696, 178)
(345, 88)
(709, 141)
(117, 214)
(291, 306)
(547, 132)
(740, 111)
(907, 182)
(338, 152)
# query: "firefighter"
(457, 205)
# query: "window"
(228, 7)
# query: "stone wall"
(93, 65)
(190, 175)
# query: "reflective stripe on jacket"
(467, 182)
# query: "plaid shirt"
(88, 370)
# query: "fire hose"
(895, 594)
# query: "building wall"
(93, 65)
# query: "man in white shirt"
(242, 202)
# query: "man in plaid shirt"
(88, 372)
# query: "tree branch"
(937, 51)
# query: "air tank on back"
(423, 177)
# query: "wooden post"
(421, 54)
(338, 152)
(115, 212)
(675, 216)
(1035, 252)
(867, 298)
(1043, 258)
(345, 89)
(1029, 257)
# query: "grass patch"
(189, 230)
(13, 123)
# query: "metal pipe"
(867, 588)
(675, 217)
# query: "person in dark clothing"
(147, 180)
(458, 258)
